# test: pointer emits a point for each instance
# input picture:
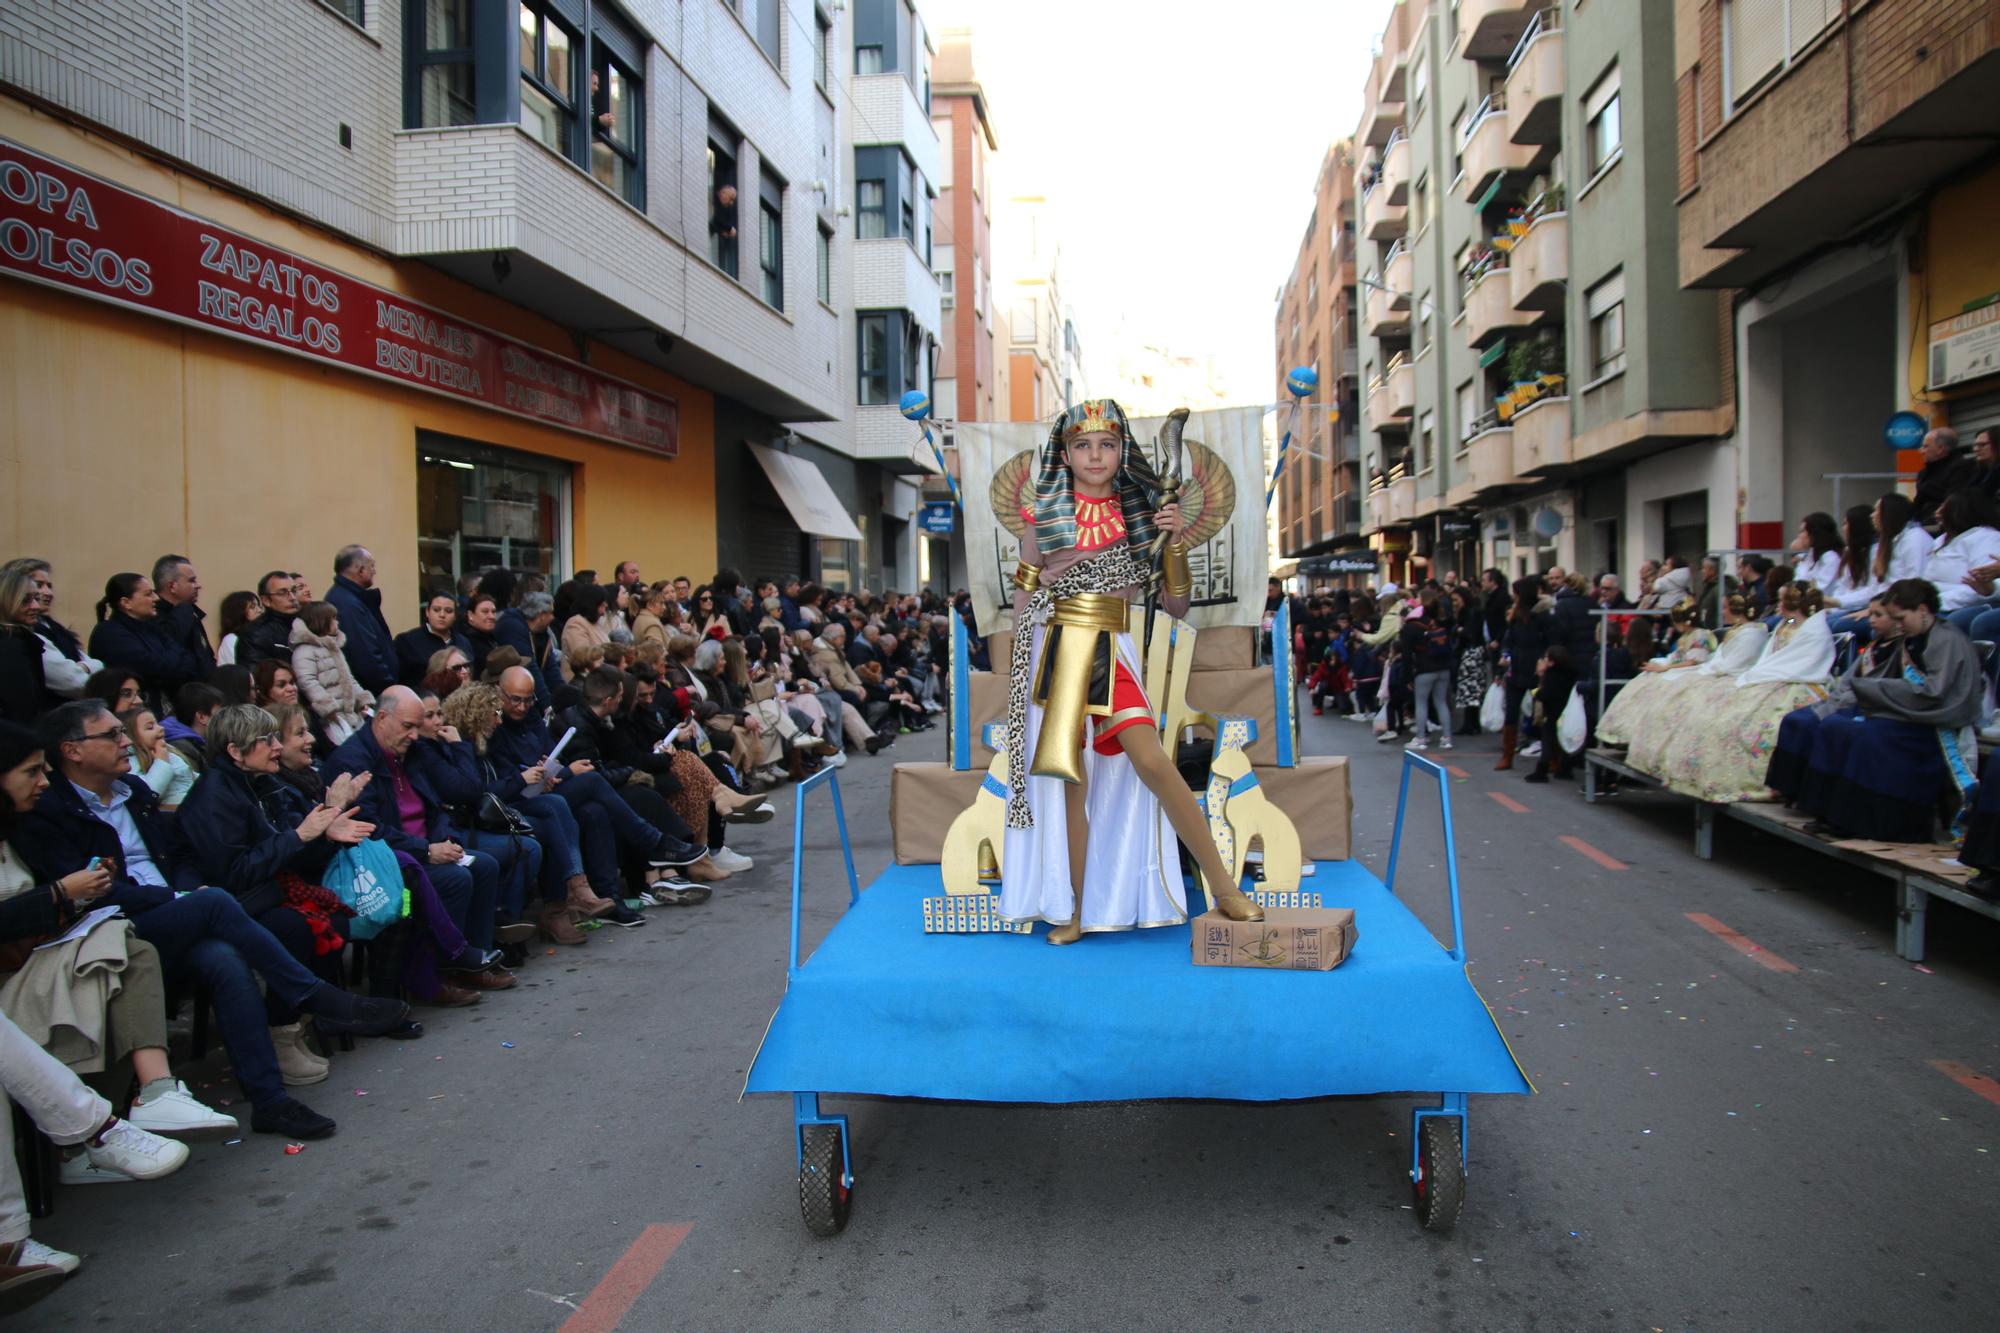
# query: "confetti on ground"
(361, 1092)
(1925, 970)
(294, 1149)
(507, 1045)
(231, 1143)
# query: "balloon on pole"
(916, 406)
(1300, 383)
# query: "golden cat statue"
(1239, 813)
(974, 845)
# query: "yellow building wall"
(1960, 264)
(123, 436)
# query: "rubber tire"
(1440, 1185)
(823, 1198)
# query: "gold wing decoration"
(1013, 490)
(1208, 496)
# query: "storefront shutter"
(1974, 413)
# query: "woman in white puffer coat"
(323, 674)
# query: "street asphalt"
(1716, 1142)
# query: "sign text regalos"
(64, 228)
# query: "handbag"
(493, 815)
(366, 878)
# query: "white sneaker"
(127, 1153)
(1531, 750)
(838, 759)
(34, 1252)
(177, 1112)
(730, 861)
(1445, 744)
(1417, 743)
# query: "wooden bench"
(1919, 871)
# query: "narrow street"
(1794, 1137)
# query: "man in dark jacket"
(1946, 469)
(180, 619)
(407, 814)
(95, 808)
(606, 822)
(1576, 630)
(415, 647)
(371, 647)
(270, 635)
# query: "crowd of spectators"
(1884, 615)
(245, 822)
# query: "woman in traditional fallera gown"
(1652, 700)
(1723, 744)
(1094, 803)
(1872, 759)
(1743, 641)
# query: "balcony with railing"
(1491, 27)
(1538, 265)
(1541, 435)
(1486, 151)
(1488, 298)
(1392, 396)
(1380, 317)
(1489, 455)
(1395, 177)
(1381, 218)
(1402, 496)
(1534, 84)
(1399, 275)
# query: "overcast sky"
(1179, 145)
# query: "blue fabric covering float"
(883, 1009)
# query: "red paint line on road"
(1508, 803)
(1579, 845)
(1456, 771)
(1743, 944)
(1969, 1078)
(635, 1270)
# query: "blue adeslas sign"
(1905, 430)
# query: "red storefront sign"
(65, 228)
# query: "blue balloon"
(916, 405)
(1302, 381)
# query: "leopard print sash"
(1117, 569)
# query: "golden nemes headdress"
(1095, 414)
(1055, 485)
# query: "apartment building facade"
(1536, 386)
(1837, 184)
(454, 278)
(1320, 489)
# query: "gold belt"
(1085, 617)
(1093, 610)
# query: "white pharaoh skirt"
(1132, 869)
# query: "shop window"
(771, 232)
(836, 564)
(725, 146)
(441, 87)
(823, 254)
(481, 508)
(548, 77)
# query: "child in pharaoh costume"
(1094, 803)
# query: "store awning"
(815, 508)
(1493, 353)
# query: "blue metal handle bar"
(825, 777)
(1410, 761)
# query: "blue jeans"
(562, 843)
(469, 893)
(606, 826)
(520, 862)
(1969, 619)
(207, 936)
